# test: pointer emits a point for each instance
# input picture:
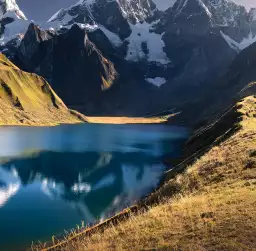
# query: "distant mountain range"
(134, 58)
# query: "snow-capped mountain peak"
(13, 22)
(134, 10)
(139, 27)
(220, 12)
(10, 6)
(130, 21)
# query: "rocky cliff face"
(136, 57)
(79, 72)
(116, 16)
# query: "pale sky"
(247, 3)
(42, 10)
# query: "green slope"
(27, 99)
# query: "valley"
(128, 105)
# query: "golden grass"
(128, 120)
(210, 206)
(27, 99)
(206, 221)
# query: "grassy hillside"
(207, 203)
(27, 99)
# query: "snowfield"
(156, 81)
(141, 33)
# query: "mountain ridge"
(27, 99)
(151, 60)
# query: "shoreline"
(129, 120)
(102, 120)
(239, 125)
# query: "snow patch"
(181, 6)
(10, 185)
(113, 38)
(247, 41)
(205, 8)
(141, 33)
(8, 192)
(11, 5)
(81, 187)
(138, 11)
(15, 29)
(156, 81)
(87, 2)
(55, 16)
(88, 27)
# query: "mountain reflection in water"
(95, 183)
(71, 178)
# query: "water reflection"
(104, 182)
(9, 185)
(53, 178)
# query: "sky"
(42, 10)
(247, 3)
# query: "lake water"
(52, 179)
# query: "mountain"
(136, 58)
(125, 23)
(8, 6)
(27, 99)
(236, 25)
(12, 20)
(113, 15)
(99, 85)
(190, 45)
(238, 82)
(123, 18)
(68, 172)
(68, 58)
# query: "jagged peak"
(220, 12)
(134, 10)
(37, 32)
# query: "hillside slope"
(237, 82)
(27, 99)
(203, 208)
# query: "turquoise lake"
(52, 179)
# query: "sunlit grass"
(210, 206)
(27, 99)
